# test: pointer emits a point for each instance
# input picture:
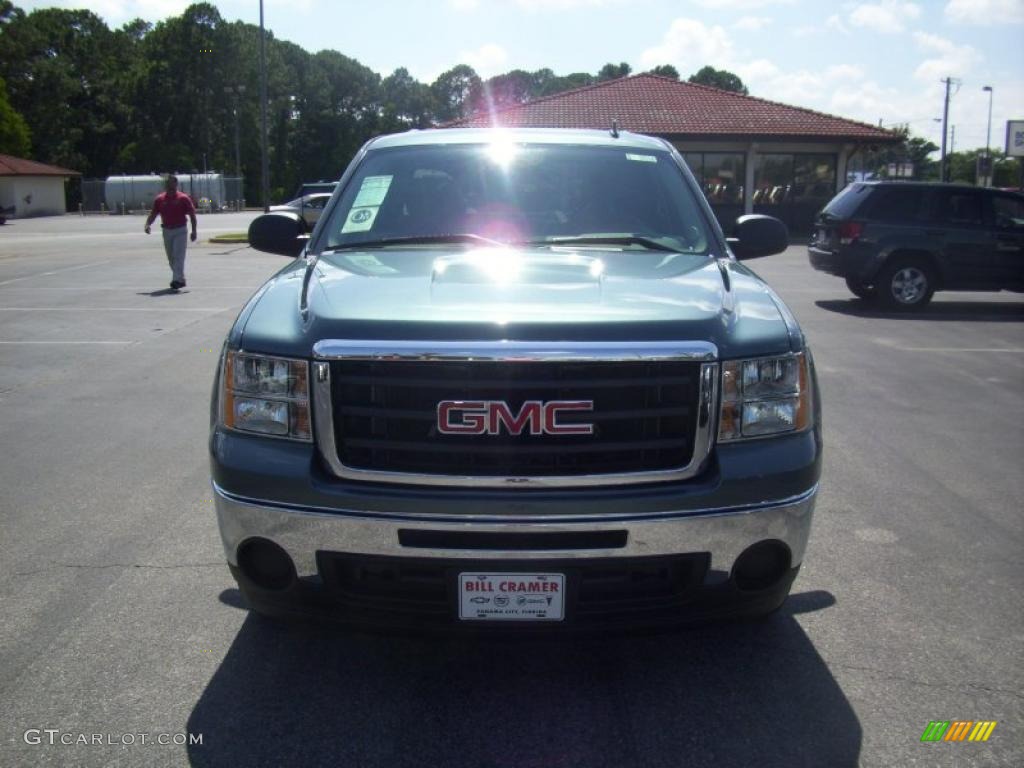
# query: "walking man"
(173, 207)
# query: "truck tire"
(861, 291)
(905, 284)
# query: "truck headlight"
(765, 396)
(266, 395)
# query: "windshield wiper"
(384, 242)
(647, 242)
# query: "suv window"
(1009, 211)
(954, 206)
(895, 204)
(843, 205)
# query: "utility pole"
(265, 160)
(943, 165)
(988, 140)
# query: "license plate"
(822, 236)
(511, 596)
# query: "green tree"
(666, 70)
(613, 71)
(407, 102)
(14, 133)
(64, 73)
(718, 78)
(456, 92)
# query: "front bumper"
(706, 541)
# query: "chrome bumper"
(724, 532)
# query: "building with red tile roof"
(749, 154)
(28, 188)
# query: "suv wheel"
(906, 284)
(860, 290)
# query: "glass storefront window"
(773, 179)
(814, 177)
(723, 177)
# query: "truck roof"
(518, 135)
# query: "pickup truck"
(515, 380)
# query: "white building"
(31, 188)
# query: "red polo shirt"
(174, 209)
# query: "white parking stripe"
(55, 271)
(115, 309)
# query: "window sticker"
(373, 191)
(360, 219)
(642, 158)
(368, 200)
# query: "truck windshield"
(538, 195)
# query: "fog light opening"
(761, 565)
(266, 564)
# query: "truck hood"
(562, 294)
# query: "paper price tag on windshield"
(372, 192)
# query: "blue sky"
(873, 60)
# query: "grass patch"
(231, 237)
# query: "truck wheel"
(861, 291)
(905, 284)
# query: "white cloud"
(836, 23)
(464, 5)
(488, 60)
(689, 45)
(739, 5)
(753, 22)
(887, 16)
(804, 30)
(844, 72)
(947, 59)
(563, 5)
(985, 12)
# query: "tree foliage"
(14, 133)
(666, 70)
(613, 71)
(719, 78)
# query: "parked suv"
(516, 379)
(899, 242)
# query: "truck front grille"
(645, 416)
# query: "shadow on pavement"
(162, 292)
(733, 694)
(979, 311)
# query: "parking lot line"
(12, 343)
(115, 309)
(54, 272)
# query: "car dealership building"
(749, 154)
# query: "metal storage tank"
(132, 193)
(136, 193)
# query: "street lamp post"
(236, 91)
(265, 158)
(988, 140)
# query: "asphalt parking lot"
(120, 617)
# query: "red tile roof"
(666, 107)
(15, 166)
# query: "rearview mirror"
(756, 235)
(280, 232)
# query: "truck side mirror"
(280, 232)
(756, 235)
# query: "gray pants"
(174, 244)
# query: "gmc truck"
(515, 380)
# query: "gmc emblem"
(488, 417)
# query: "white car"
(309, 207)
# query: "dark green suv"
(899, 242)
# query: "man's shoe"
(175, 285)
